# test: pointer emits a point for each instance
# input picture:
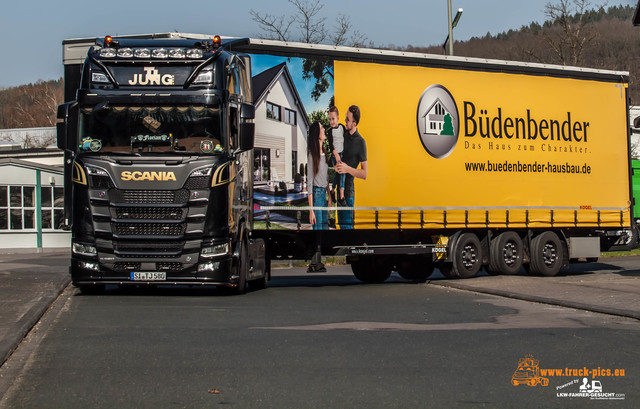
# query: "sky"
(32, 31)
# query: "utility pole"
(451, 24)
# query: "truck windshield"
(143, 129)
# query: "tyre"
(260, 283)
(467, 256)
(241, 270)
(417, 269)
(506, 255)
(546, 254)
(447, 270)
(370, 269)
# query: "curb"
(28, 321)
(543, 300)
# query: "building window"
(273, 111)
(18, 207)
(290, 116)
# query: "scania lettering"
(137, 175)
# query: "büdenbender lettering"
(526, 128)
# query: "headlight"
(214, 251)
(159, 53)
(177, 53)
(125, 53)
(194, 53)
(210, 266)
(89, 265)
(84, 249)
(99, 78)
(96, 171)
(201, 172)
(205, 77)
(142, 53)
(108, 52)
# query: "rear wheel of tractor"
(417, 269)
(506, 254)
(467, 256)
(546, 254)
(370, 269)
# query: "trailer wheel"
(467, 256)
(417, 269)
(546, 254)
(370, 269)
(446, 269)
(506, 254)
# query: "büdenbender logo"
(438, 121)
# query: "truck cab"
(158, 184)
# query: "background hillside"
(614, 44)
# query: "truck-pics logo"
(438, 123)
(152, 77)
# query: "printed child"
(336, 143)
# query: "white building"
(281, 126)
(32, 198)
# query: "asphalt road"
(324, 341)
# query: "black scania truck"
(157, 135)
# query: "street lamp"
(451, 24)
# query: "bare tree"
(312, 30)
(573, 30)
(311, 25)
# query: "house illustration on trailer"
(281, 126)
(434, 118)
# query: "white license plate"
(148, 276)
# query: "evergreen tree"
(447, 129)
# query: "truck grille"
(126, 266)
(169, 266)
(150, 196)
(149, 213)
(149, 229)
(162, 249)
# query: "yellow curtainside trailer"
(457, 163)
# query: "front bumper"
(220, 274)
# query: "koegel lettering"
(140, 176)
(524, 127)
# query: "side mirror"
(64, 139)
(247, 127)
(247, 135)
(247, 111)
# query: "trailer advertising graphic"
(469, 142)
